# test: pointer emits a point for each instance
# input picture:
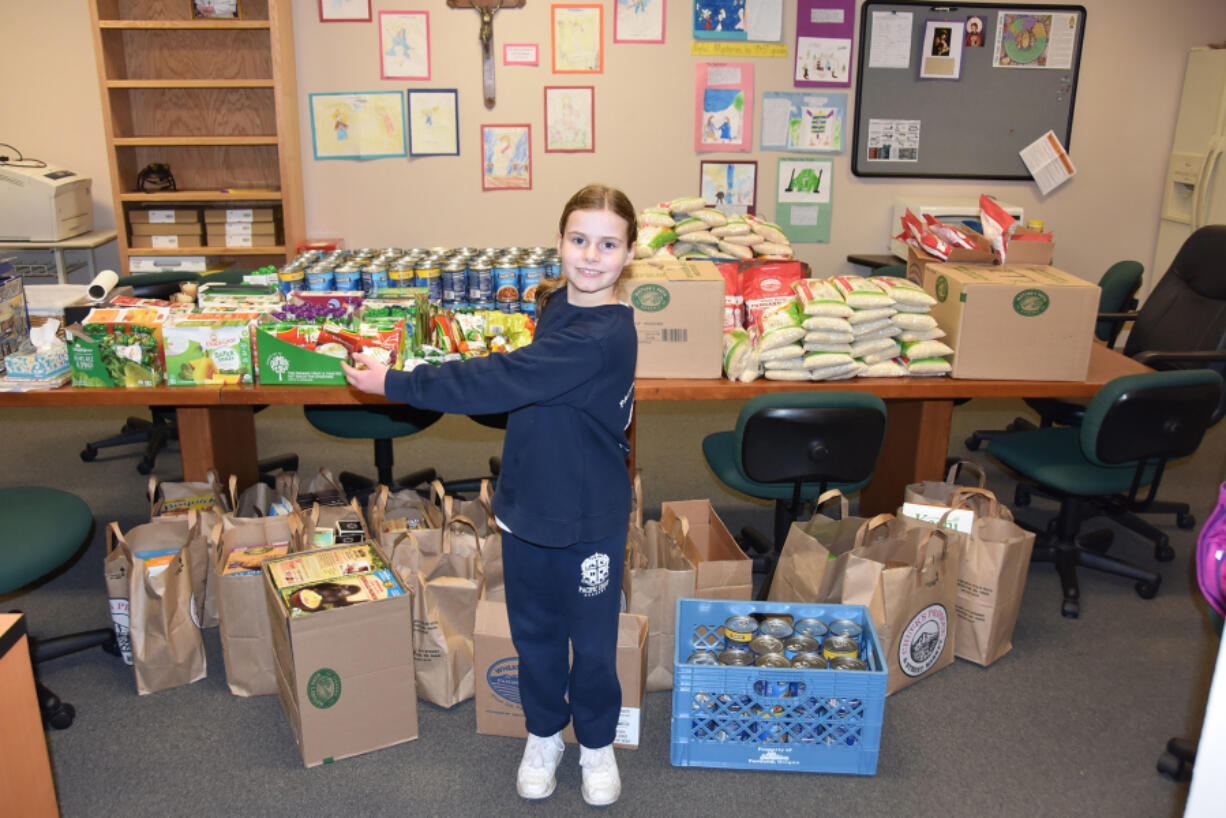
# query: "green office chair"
(380, 424)
(792, 446)
(42, 529)
(1132, 427)
(892, 270)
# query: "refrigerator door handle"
(1202, 184)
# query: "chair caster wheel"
(1185, 521)
(1021, 496)
(89, 453)
(1171, 767)
(60, 717)
(973, 442)
(1163, 551)
(1070, 609)
(1147, 590)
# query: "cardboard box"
(249, 234)
(234, 215)
(172, 229)
(1015, 322)
(171, 215)
(721, 569)
(168, 242)
(679, 315)
(280, 363)
(345, 676)
(918, 260)
(205, 348)
(14, 321)
(118, 346)
(499, 712)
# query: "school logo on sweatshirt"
(594, 575)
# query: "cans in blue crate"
(810, 627)
(736, 657)
(797, 644)
(777, 626)
(739, 631)
(834, 647)
(776, 660)
(763, 644)
(703, 657)
(847, 663)
(809, 661)
(846, 628)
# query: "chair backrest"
(893, 270)
(1119, 287)
(1153, 416)
(811, 437)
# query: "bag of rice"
(779, 352)
(860, 348)
(769, 249)
(837, 373)
(734, 227)
(734, 304)
(921, 335)
(822, 336)
(651, 239)
(861, 293)
(769, 284)
(737, 347)
(784, 363)
(702, 237)
(780, 325)
(819, 297)
(926, 366)
(871, 314)
(787, 375)
(710, 215)
(903, 291)
(734, 250)
(914, 321)
(889, 368)
(820, 347)
(747, 239)
(767, 230)
(884, 355)
(904, 307)
(689, 225)
(822, 360)
(926, 349)
(655, 217)
(881, 325)
(826, 322)
(686, 204)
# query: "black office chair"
(380, 424)
(42, 529)
(791, 447)
(1131, 428)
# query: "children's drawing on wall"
(506, 157)
(433, 124)
(722, 115)
(577, 35)
(719, 15)
(730, 186)
(569, 119)
(821, 59)
(638, 21)
(358, 125)
(803, 198)
(803, 121)
(755, 20)
(723, 107)
(404, 45)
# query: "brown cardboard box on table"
(721, 569)
(679, 316)
(1020, 250)
(499, 712)
(1015, 322)
(345, 676)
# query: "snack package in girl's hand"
(996, 225)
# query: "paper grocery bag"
(208, 499)
(167, 648)
(800, 570)
(660, 574)
(398, 511)
(836, 534)
(489, 536)
(937, 492)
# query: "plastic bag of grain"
(819, 297)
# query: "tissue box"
(43, 363)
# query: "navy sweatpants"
(560, 598)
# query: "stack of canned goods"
(780, 641)
(459, 278)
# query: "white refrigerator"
(1195, 190)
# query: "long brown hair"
(590, 197)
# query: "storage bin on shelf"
(785, 719)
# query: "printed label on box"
(161, 216)
(239, 215)
(165, 241)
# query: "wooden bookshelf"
(213, 99)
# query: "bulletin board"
(968, 112)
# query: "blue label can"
(480, 282)
(347, 280)
(506, 285)
(431, 279)
(320, 282)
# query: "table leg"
(630, 439)
(220, 438)
(916, 443)
(61, 272)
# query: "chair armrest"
(1203, 356)
(1117, 317)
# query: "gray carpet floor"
(1070, 722)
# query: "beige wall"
(1131, 72)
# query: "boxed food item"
(205, 347)
(1015, 321)
(164, 215)
(721, 569)
(679, 315)
(239, 215)
(287, 355)
(170, 229)
(499, 712)
(14, 321)
(118, 346)
(167, 241)
(344, 673)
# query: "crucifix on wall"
(487, 9)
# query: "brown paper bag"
(406, 510)
(660, 574)
(804, 559)
(937, 492)
(481, 512)
(167, 648)
(208, 499)
(443, 568)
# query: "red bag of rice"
(768, 285)
(734, 304)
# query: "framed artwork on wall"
(506, 157)
(578, 31)
(344, 11)
(434, 123)
(723, 107)
(404, 45)
(358, 125)
(570, 119)
(730, 186)
(638, 21)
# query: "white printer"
(43, 204)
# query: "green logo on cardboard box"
(942, 288)
(1030, 303)
(324, 688)
(649, 297)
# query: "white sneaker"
(602, 784)
(536, 770)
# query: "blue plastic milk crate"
(784, 720)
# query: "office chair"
(792, 446)
(43, 529)
(472, 485)
(1119, 286)
(380, 424)
(1131, 428)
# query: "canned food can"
(506, 284)
(777, 626)
(508, 306)
(771, 660)
(846, 628)
(484, 305)
(739, 631)
(836, 646)
(319, 282)
(528, 308)
(763, 644)
(797, 644)
(703, 657)
(809, 661)
(848, 663)
(1036, 224)
(402, 276)
(529, 277)
(454, 283)
(480, 281)
(290, 281)
(736, 657)
(375, 279)
(777, 689)
(347, 279)
(809, 626)
(430, 277)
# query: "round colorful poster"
(1024, 39)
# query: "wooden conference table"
(217, 425)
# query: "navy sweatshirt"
(570, 395)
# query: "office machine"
(44, 204)
(948, 210)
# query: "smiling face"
(594, 248)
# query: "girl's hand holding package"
(367, 379)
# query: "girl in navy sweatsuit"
(563, 494)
